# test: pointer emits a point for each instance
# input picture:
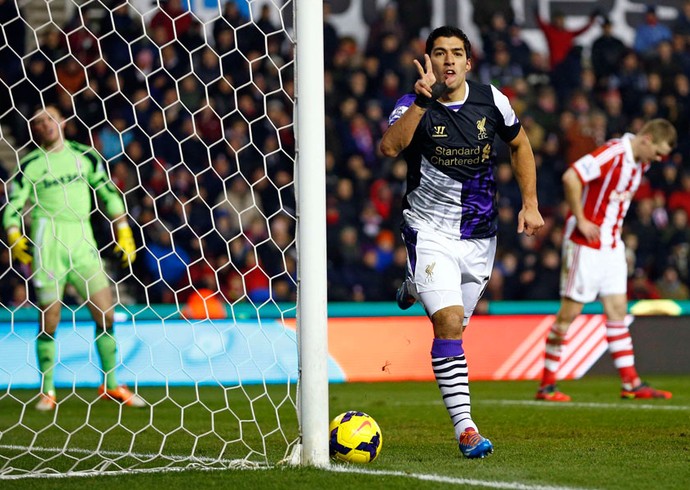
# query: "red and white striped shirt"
(610, 176)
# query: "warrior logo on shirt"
(439, 132)
(481, 126)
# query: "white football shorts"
(588, 272)
(443, 272)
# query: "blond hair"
(661, 131)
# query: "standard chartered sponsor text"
(447, 157)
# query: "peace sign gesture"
(426, 77)
(427, 86)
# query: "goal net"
(219, 325)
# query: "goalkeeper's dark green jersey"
(60, 185)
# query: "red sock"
(552, 356)
(622, 353)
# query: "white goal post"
(245, 386)
(311, 185)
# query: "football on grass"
(355, 438)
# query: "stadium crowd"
(196, 127)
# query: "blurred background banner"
(497, 347)
(159, 353)
(389, 348)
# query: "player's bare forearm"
(399, 134)
(530, 220)
(524, 169)
(572, 190)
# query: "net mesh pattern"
(193, 120)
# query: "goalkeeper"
(58, 180)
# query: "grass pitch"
(598, 441)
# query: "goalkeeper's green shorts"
(65, 252)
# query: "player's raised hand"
(19, 246)
(426, 77)
(529, 221)
(125, 246)
(427, 88)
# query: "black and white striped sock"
(450, 369)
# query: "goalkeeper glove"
(19, 246)
(125, 245)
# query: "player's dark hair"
(449, 31)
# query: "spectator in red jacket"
(564, 56)
(172, 17)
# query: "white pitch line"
(172, 457)
(196, 464)
(193, 463)
(624, 405)
(334, 468)
(451, 480)
(134, 471)
(627, 405)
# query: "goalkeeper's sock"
(553, 351)
(450, 369)
(45, 353)
(107, 350)
(622, 353)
